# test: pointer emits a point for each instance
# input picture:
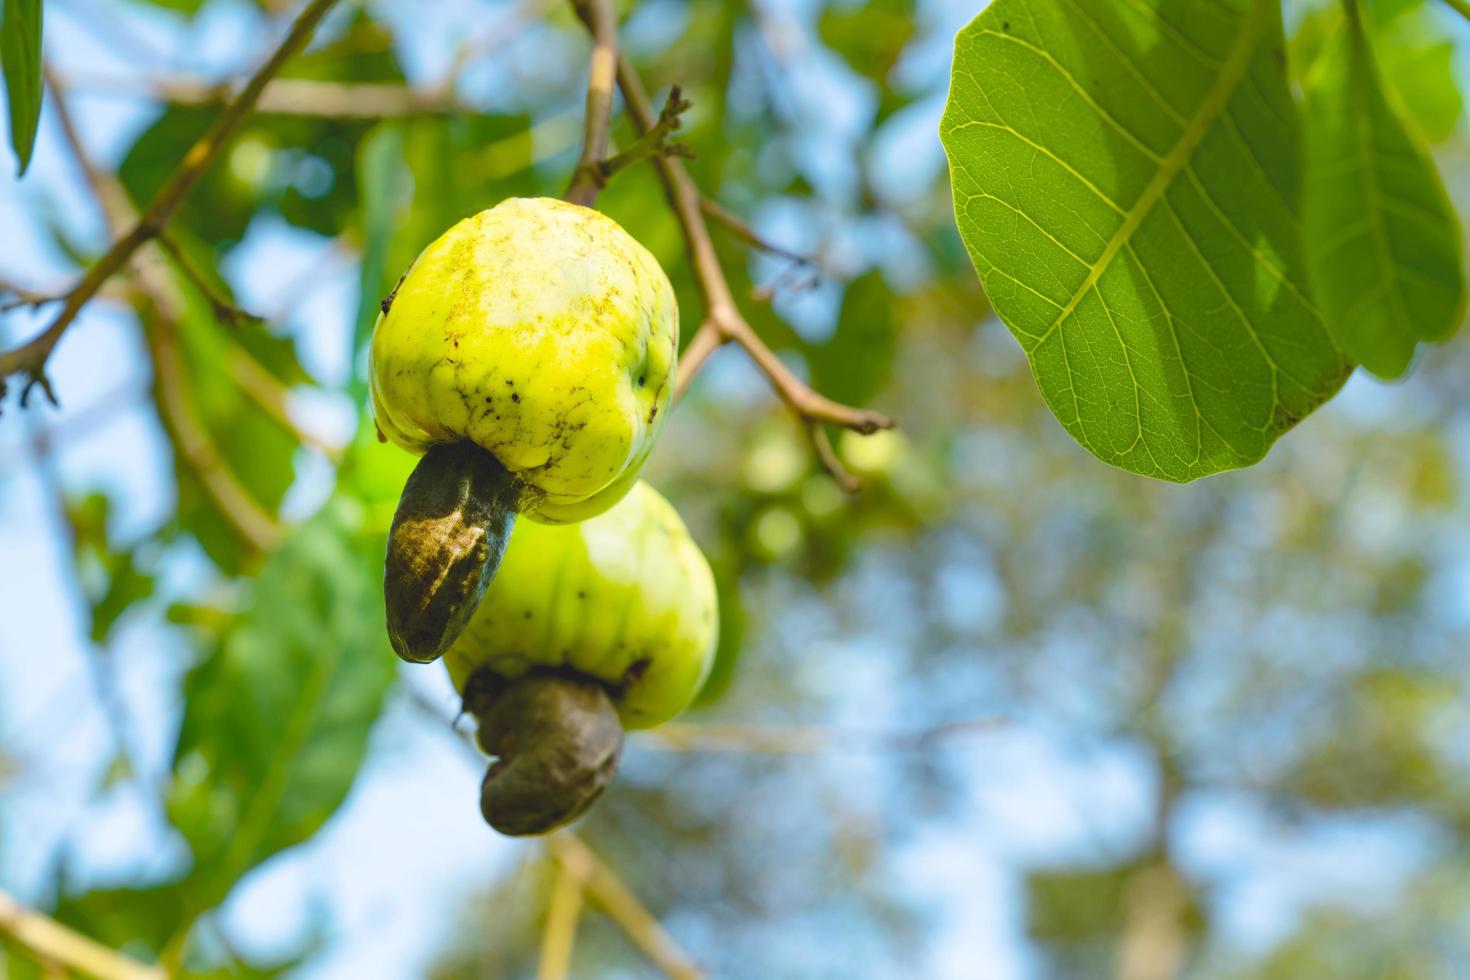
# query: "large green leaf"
(1384, 247)
(1125, 177)
(20, 56)
(277, 717)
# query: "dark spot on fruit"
(653, 414)
(642, 380)
(515, 397)
(635, 671)
(581, 593)
(528, 614)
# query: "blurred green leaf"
(855, 362)
(277, 715)
(111, 578)
(1125, 192)
(1418, 65)
(20, 57)
(870, 37)
(136, 921)
(1383, 245)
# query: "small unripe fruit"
(588, 629)
(625, 598)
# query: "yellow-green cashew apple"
(529, 354)
(589, 629)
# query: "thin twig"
(55, 943)
(742, 230)
(602, 21)
(655, 142)
(805, 739)
(22, 296)
(30, 358)
(1461, 7)
(565, 907)
(618, 901)
(224, 310)
(831, 462)
(723, 320)
(160, 330)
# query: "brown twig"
(618, 901)
(831, 462)
(723, 321)
(22, 296)
(224, 310)
(160, 331)
(29, 359)
(602, 22)
(54, 943)
(742, 230)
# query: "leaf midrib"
(1232, 71)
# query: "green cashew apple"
(589, 629)
(529, 355)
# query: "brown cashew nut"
(557, 741)
(444, 545)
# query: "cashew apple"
(529, 355)
(589, 629)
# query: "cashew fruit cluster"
(589, 629)
(529, 354)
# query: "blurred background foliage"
(1004, 712)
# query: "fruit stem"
(448, 535)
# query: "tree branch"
(619, 902)
(723, 320)
(655, 142)
(55, 943)
(30, 358)
(587, 177)
(1461, 7)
